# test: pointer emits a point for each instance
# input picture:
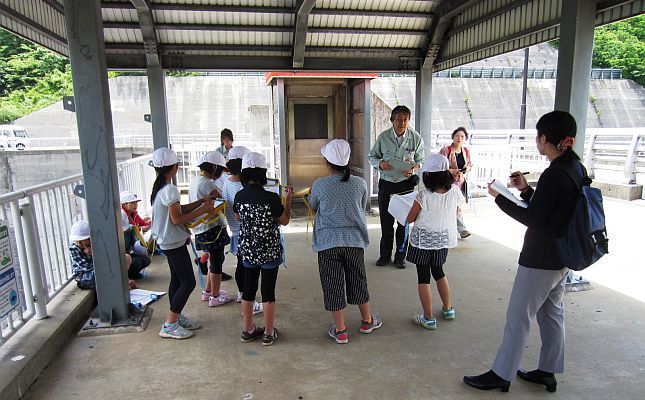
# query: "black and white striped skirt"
(426, 257)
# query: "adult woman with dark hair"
(539, 284)
(340, 238)
(459, 158)
(168, 219)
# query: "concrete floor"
(605, 353)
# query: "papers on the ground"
(400, 205)
(501, 188)
(140, 297)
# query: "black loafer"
(226, 277)
(382, 261)
(487, 381)
(399, 260)
(539, 377)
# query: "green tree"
(622, 45)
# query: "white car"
(13, 136)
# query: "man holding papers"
(396, 155)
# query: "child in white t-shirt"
(168, 219)
(211, 236)
(434, 232)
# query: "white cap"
(80, 231)
(336, 152)
(128, 197)
(125, 222)
(213, 157)
(237, 152)
(254, 160)
(163, 157)
(435, 163)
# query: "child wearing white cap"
(168, 219)
(211, 237)
(232, 185)
(80, 251)
(340, 238)
(130, 204)
(139, 261)
(434, 232)
(260, 213)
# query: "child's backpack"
(584, 240)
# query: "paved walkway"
(605, 354)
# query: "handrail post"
(22, 257)
(590, 155)
(630, 163)
(33, 261)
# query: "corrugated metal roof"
(376, 35)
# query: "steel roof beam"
(300, 31)
(147, 26)
(263, 28)
(55, 5)
(31, 24)
(259, 63)
(510, 6)
(440, 25)
(267, 10)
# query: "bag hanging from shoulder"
(584, 240)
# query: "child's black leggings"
(182, 278)
(239, 274)
(424, 271)
(267, 288)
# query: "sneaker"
(464, 234)
(340, 337)
(449, 313)
(188, 323)
(174, 331)
(220, 300)
(428, 323)
(383, 261)
(257, 308)
(205, 295)
(226, 277)
(239, 297)
(267, 340)
(367, 327)
(251, 336)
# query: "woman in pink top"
(459, 157)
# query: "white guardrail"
(39, 218)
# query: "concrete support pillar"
(574, 63)
(282, 126)
(367, 137)
(96, 137)
(158, 107)
(423, 108)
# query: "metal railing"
(611, 155)
(510, 73)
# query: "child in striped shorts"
(340, 237)
(434, 232)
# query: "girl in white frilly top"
(434, 232)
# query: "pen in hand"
(517, 174)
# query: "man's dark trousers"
(385, 191)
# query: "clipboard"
(400, 165)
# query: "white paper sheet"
(140, 297)
(400, 205)
(501, 188)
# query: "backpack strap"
(579, 177)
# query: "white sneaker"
(257, 308)
(220, 300)
(188, 323)
(239, 297)
(174, 331)
(205, 295)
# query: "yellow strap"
(208, 218)
(137, 233)
(310, 217)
